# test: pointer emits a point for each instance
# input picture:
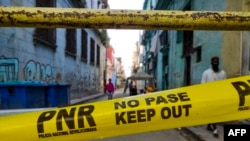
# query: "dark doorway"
(187, 51)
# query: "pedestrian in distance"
(214, 73)
(149, 89)
(130, 86)
(110, 89)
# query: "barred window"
(71, 42)
(84, 51)
(98, 56)
(164, 38)
(92, 51)
(78, 3)
(179, 36)
(45, 36)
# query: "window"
(165, 60)
(164, 38)
(45, 36)
(78, 3)
(92, 51)
(187, 48)
(98, 56)
(71, 42)
(84, 46)
(179, 36)
(155, 61)
(198, 51)
(166, 80)
(92, 4)
(102, 4)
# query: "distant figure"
(110, 89)
(213, 74)
(130, 86)
(149, 89)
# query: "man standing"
(130, 86)
(213, 74)
(110, 89)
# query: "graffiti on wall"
(8, 69)
(87, 81)
(35, 71)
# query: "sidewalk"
(205, 135)
(91, 97)
(85, 98)
(202, 134)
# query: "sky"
(124, 40)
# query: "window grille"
(71, 42)
(84, 50)
(45, 36)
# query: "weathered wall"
(41, 63)
(245, 59)
(176, 62)
(210, 41)
(231, 44)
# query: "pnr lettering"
(236, 132)
(243, 90)
(81, 113)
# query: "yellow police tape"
(224, 100)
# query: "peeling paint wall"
(231, 44)
(8, 69)
(233, 47)
(21, 60)
(245, 36)
(211, 43)
(176, 62)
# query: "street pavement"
(200, 132)
(163, 135)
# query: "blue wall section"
(211, 43)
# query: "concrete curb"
(85, 99)
(196, 136)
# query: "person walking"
(130, 86)
(110, 89)
(214, 73)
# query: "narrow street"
(163, 135)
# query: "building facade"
(178, 58)
(55, 55)
(120, 74)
